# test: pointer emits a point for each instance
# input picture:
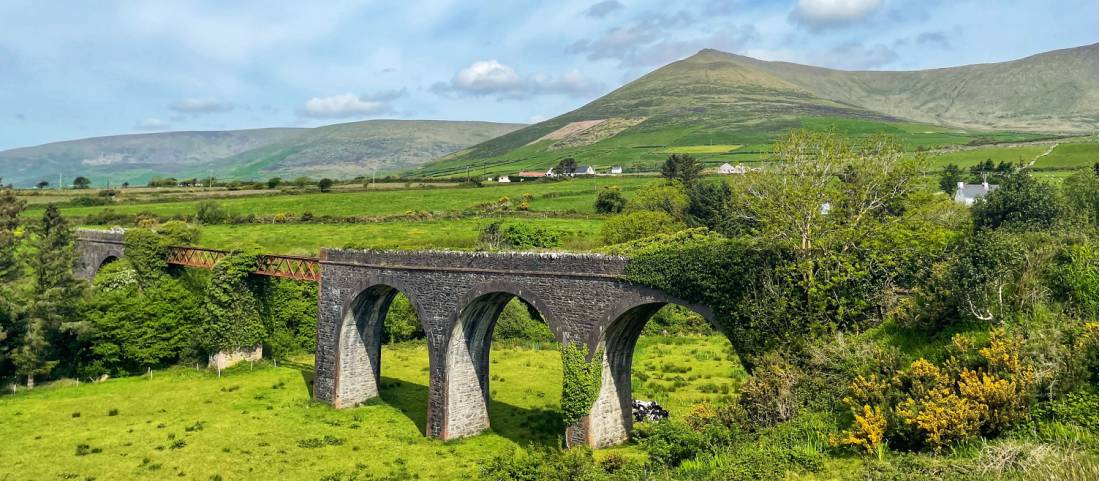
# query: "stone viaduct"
(457, 297)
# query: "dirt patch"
(603, 130)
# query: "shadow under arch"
(103, 263)
(359, 335)
(610, 421)
(466, 391)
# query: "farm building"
(504, 179)
(530, 175)
(580, 170)
(616, 169)
(726, 168)
(968, 193)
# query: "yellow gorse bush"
(868, 431)
(939, 405)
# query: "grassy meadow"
(259, 422)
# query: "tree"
(708, 204)
(636, 225)
(210, 212)
(566, 167)
(274, 182)
(10, 208)
(52, 313)
(610, 200)
(681, 167)
(667, 198)
(1021, 203)
(81, 182)
(42, 184)
(125, 185)
(302, 181)
(325, 185)
(950, 178)
(1081, 192)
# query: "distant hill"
(729, 107)
(341, 150)
(357, 148)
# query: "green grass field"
(261, 423)
(1066, 156)
(578, 195)
(577, 234)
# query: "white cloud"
(201, 106)
(822, 14)
(342, 106)
(151, 124)
(486, 76)
(492, 78)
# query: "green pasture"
(577, 195)
(1065, 156)
(577, 234)
(259, 422)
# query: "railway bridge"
(457, 297)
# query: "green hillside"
(728, 108)
(357, 148)
(130, 158)
(341, 150)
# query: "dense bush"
(610, 200)
(497, 235)
(631, 226)
(210, 212)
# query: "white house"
(503, 179)
(968, 193)
(726, 168)
(616, 169)
(584, 170)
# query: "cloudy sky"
(81, 69)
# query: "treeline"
(139, 313)
(878, 319)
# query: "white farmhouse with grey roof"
(968, 193)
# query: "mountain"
(357, 148)
(341, 150)
(720, 104)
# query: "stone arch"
(466, 359)
(106, 260)
(359, 338)
(610, 421)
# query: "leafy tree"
(210, 212)
(274, 182)
(42, 184)
(81, 182)
(302, 181)
(681, 167)
(1021, 203)
(667, 198)
(565, 167)
(125, 185)
(610, 200)
(325, 185)
(139, 328)
(950, 178)
(708, 205)
(1081, 195)
(637, 225)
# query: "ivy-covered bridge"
(457, 297)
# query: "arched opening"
(670, 371)
(365, 327)
(104, 262)
(470, 398)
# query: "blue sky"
(77, 69)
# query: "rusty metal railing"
(290, 267)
